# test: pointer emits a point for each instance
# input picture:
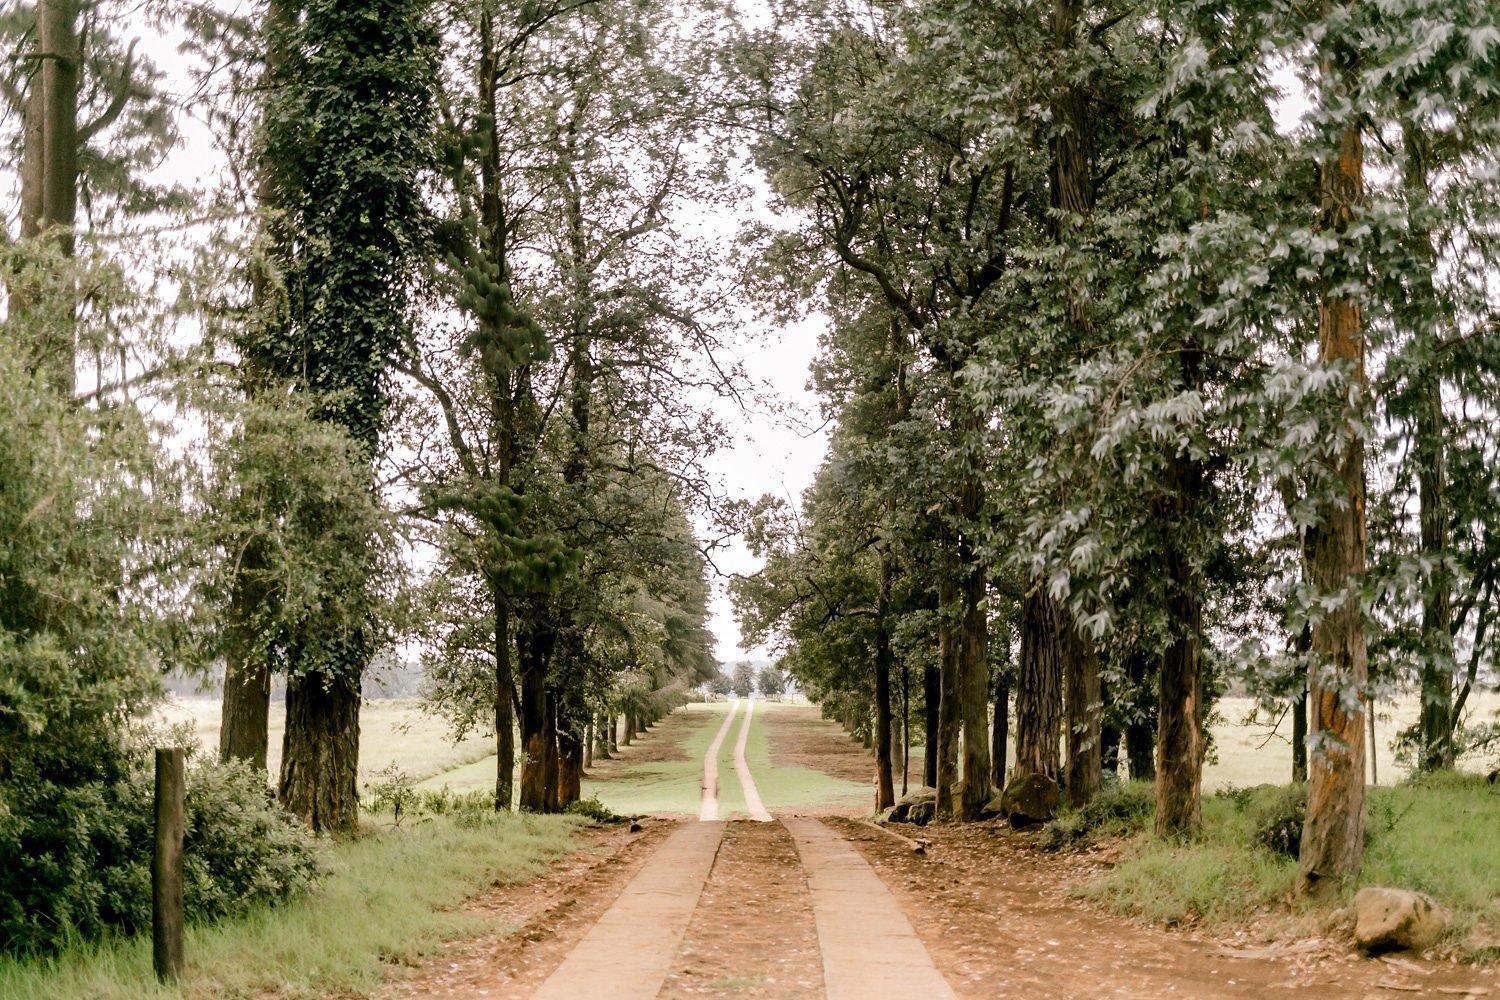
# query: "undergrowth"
(1434, 834)
(391, 895)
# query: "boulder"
(1396, 919)
(1029, 800)
(915, 806)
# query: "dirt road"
(801, 907)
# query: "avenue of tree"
(1160, 359)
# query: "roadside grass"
(391, 897)
(1436, 835)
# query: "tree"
(744, 679)
(351, 128)
(771, 681)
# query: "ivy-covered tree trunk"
(351, 126)
(1084, 772)
(320, 751)
(1038, 688)
(1333, 833)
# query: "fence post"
(166, 867)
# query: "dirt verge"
(997, 918)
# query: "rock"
(1029, 799)
(1396, 919)
(921, 813)
(635, 826)
(901, 811)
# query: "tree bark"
(1333, 833)
(1436, 717)
(950, 653)
(534, 649)
(1038, 688)
(505, 714)
(245, 710)
(320, 752)
(1140, 731)
(1000, 729)
(49, 171)
(932, 696)
(885, 788)
(974, 679)
(1085, 771)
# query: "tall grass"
(391, 897)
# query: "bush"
(595, 810)
(1118, 810)
(1278, 816)
(75, 860)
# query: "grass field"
(391, 731)
(672, 787)
(390, 896)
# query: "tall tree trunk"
(1436, 718)
(1140, 730)
(1179, 691)
(885, 789)
(1085, 771)
(245, 707)
(246, 704)
(320, 752)
(1333, 834)
(534, 647)
(974, 680)
(505, 714)
(932, 696)
(950, 653)
(1000, 728)
(1038, 688)
(49, 173)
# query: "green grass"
(784, 788)
(1436, 835)
(390, 897)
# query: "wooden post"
(166, 867)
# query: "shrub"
(1277, 817)
(1119, 809)
(593, 809)
(75, 860)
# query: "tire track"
(708, 799)
(753, 804)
